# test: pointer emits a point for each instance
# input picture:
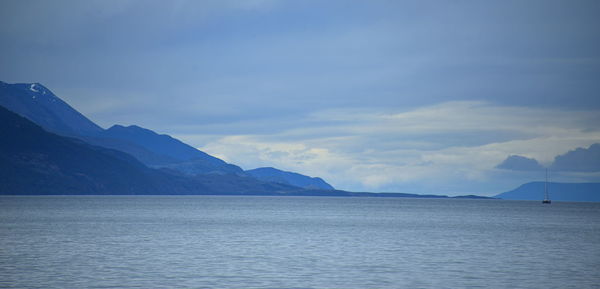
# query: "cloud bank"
(520, 163)
(450, 148)
(579, 160)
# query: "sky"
(445, 97)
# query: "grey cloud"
(519, 163)
(579, 160)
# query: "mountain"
(33, 161)
(571, 192)
(36, 162)
(183, 157)
(40, 105)
(142, 154)
(161, 144)
(289, 178)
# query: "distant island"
(569, 192)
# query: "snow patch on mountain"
(38, 88)
(32, 88)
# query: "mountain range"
(38, 104)
(34, 161)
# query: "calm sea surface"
(296, 242)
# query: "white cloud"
(369, 150)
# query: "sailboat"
(546, 198)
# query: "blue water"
(296, 242)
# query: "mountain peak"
(134, 131)
(36, 87)
(130, 128)
(37, 103)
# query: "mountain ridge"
(34, 161)
(37, 103)
(271, 174)
(185, 158)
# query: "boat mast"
(546, 199)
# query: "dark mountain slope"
(38, 162)
(34, 161)
(144, 155)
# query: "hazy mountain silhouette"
(34, 161)
(278, 176)
(574, 192)
(40, 105)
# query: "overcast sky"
(385, 96)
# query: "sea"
(296, 242)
